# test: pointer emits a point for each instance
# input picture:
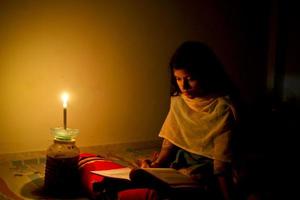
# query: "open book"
(165, 177)
(120, 173)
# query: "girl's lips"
(187, 94)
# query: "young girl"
(198, 129)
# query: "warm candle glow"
(65, 98)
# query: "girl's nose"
(186, 84)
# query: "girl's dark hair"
(203, 65)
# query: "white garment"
(201, 125)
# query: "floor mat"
(22, 174)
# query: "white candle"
(65, 97)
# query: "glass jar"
(61, 174)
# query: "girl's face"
(188, 86)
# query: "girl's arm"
(164, 157)
(224, 179)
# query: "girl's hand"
(146, 163)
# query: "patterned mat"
(22, 174)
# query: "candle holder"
(61, 173)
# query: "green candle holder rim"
(64, 134)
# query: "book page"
(120, 173)
(171, 176)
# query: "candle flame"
(65, 98)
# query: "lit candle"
(65, 97)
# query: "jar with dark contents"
(61, 174)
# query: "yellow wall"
(111, 56)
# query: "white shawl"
(201, 125)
